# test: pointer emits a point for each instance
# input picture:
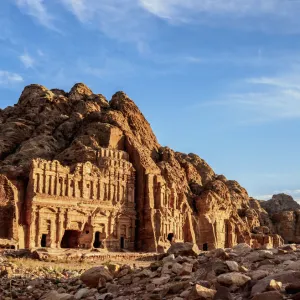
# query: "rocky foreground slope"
(183, 273)
(174, 192)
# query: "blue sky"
(217, 78)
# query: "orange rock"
(79, 171)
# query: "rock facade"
(79, 171)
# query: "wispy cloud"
(40, 53)
(27, 60)
(8, 78)
(38, 10)
(267, 12)
(265, 98)
(124, 20)
(108, 68)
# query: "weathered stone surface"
(293, 288)
(258, 274)
(279, 203)
(223, 293)
(284, 213)
(268, 296)
(233, 278)
(138, 280)
(78, 171)
(242, 249)
(274, 285)
(288, 277)
(94, 276)
(53, 295)
(187, 249)
(200, 292)
(232, 265)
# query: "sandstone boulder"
(201, 293)
(268, 296)
(234, 278)
(94, 276)
(242, 249)
(232, 265)
(184, 249)
(288, 277)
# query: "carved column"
(63, 186)
(40, 184)
(92, 192)
(38, 229)
(35, 181)
(51, 177)
(76, 188)
(99, 189)
(60, 225)
(33, 230)
(68, 192)
(57, 185)
(46, 186)
(105, 198)
(67, 218)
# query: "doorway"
(97, 242)
(205, 247)
(44, 241)
(122, 242)
(70, 239)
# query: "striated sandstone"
(79, 171)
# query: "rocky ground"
(183, 273)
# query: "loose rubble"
(232, 274)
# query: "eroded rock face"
(92, 172)
(284, 213)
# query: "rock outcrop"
(280, 203)
(284, 213)
(79, 171)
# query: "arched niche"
(9, 214)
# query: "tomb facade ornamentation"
(84, 206)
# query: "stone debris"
(172, 276)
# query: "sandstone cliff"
(284, 212)
(280, 203)
(172, 189)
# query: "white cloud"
(27, 60)
(124, 20)
(265, 98)
(264, 14)
(8, 78)
(38, 10)
(108, 68)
